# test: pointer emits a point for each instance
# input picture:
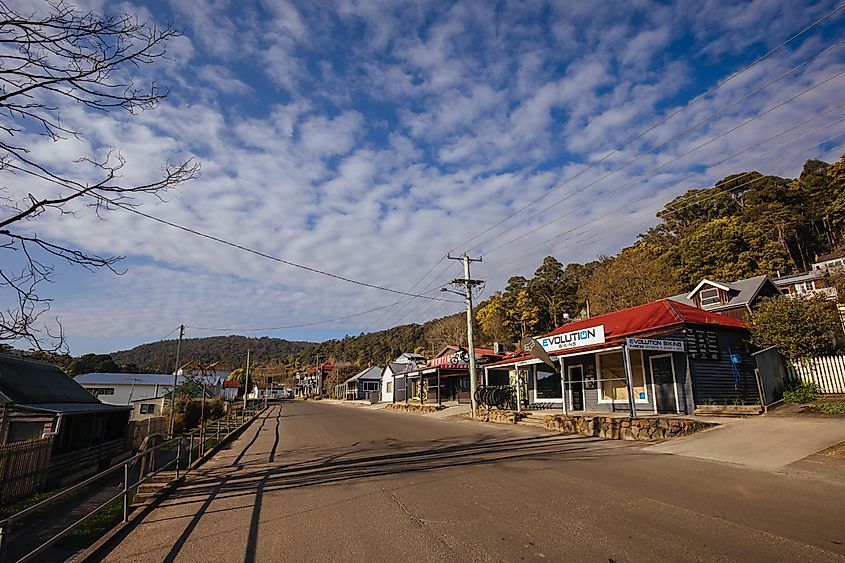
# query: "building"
(310, 382)
(230, 389)
(143, 409)
(444, 378)
(360, 385)
(127, 388)
(393, 386)
(816, 282)
(733, 299)
(37, 400)
(679, 356)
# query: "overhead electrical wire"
(683, 155)
(643, 133)
(679, 135)
(704, 197)
(661, 122)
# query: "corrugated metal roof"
(29, 382)
(75, 407)
(742, 292)
(128, 379)
(369, 373)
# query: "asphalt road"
(319, 482)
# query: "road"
(319, 482)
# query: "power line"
(678, 136)
(658, 124)
(47, 176)
(687, 153)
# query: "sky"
(370, 138)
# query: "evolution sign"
(655, 344)
(574, 339)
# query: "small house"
(360, 385)
(37, 400)
(732, 299)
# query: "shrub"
(801, 393)
(832, 408)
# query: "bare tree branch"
(48, 59)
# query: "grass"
(23, 504)
(831, 408)
(94, 528)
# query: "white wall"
(387, 376)
(123, 393)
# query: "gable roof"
(371, 373)
(742, 292)
(27, 382)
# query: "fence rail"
(828, 372)
(23, 468)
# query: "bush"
(801, 393)
(832, 408)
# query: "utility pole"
(246, 380)
(175, 375)
(468, 283)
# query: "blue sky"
(369, 138)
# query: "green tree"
(551, 289)
(491, 316)
(799, 328)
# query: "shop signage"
(531, 346)
(656, 344)
(458, 359)
(575, 339)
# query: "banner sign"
(656, 344)
(531, 346)
(456, 360)
(574, 339)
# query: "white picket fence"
(828, 372)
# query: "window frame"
(599, 391)
(717, 296)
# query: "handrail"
(246, 416)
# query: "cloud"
(370, 138)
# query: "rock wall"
(646, 429)
(411, 407)
(501, 416)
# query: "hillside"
(230, 351)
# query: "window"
(97, 391)
(19, 431)
(805, 287)
(389, 387)
(613, 383)
(148, 408)
(548, 383)
(710, 297)
(371, 386)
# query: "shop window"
(709, 297)
(613, 383)
(548, 383)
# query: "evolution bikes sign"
(575, 339)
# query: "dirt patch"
(836, 452)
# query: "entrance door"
(576, 387)
(665, 388)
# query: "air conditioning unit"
(499, 348)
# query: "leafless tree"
(50, 59)
(447, 331)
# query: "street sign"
(659, 345)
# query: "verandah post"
(629, 379)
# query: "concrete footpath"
(761, 442)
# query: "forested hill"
(230, 351)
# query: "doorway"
(576, 387)
(665, 386)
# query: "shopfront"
(657, 358)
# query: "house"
(445, 377)
(37, 400)
(125, 388)
(361, 384)
(733, 299)
(815, 282)
(230, 389)
(143, 409)
(310, 382)
(678, 356)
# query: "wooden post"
(125, 492)
(562, 386)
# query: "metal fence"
(23, 468)
(162, 463)
(828, 372)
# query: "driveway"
(761, 442)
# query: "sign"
(458, 359)
(656, 344)
(575, 339)
(531, 346)
(703, 345)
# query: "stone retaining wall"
(624, 428)
(501, 416)
(411, 407)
